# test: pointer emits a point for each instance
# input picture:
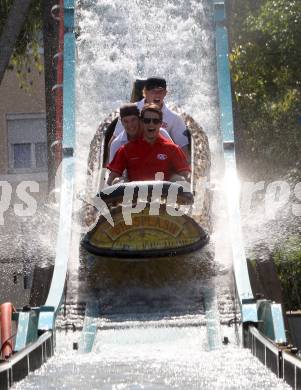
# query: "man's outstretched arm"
(112, 177)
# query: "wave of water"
(152, 358)
(121, 41)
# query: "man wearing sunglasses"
(129, 116)
(150, 154)
(155, 91)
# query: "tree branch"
(14, 23)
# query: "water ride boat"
(148, 218)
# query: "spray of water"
(120, 42)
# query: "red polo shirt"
(143, 160)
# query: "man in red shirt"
(144, 157)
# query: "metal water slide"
(35, 335)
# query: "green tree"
(287, 258)
(20, 36)
(265, 58)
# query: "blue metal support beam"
(27, 329)
(224, 81)
(271, 320)
(48, 312)
(69, 76)
(249, 312)
(89, 331)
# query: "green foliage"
(265, 58)
(287, 259)
(27, 50)
(266, 77)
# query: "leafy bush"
(287, 258)
(265, 68)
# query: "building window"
(27, 143)
(22, 155)
(41, 154)
(29, 156)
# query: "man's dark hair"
(155, 82)
(151, 107)
(128, 109)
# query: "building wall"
(22, 105)
(14, 100)
(24, 239)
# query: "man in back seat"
(155, 92)
(150, 154)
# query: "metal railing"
(276, 358)
(18, 366)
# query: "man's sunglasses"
(155, 121)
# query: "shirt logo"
(161, 156)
